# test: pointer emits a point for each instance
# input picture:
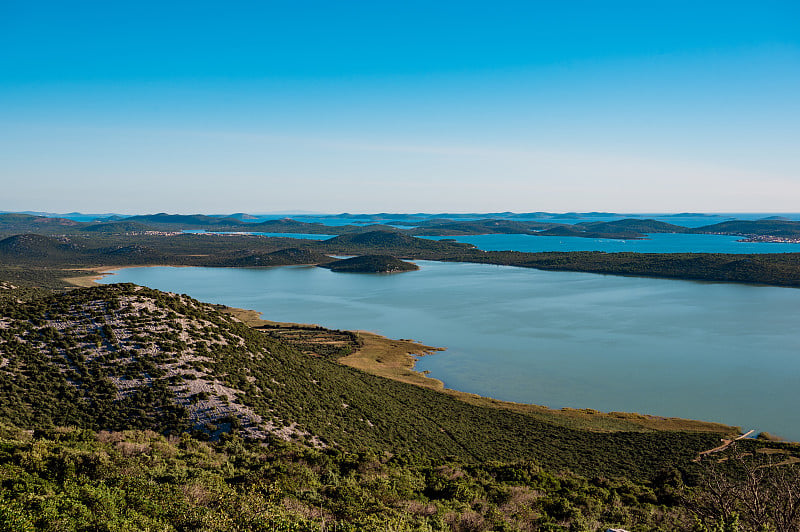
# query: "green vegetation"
(443, 227)
(262, 429)
(389, 242)
(82, 359)
(64, 479)
(282, 257)
(313, 339)
(782, 228)
(13, 223)
(116, 227)
(28, 282)
(578, 231)
(777, 269)
(183, 418)
(68, 479)
(35, 251)
(635, 225)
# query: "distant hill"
(780, 218)
(579, 231)
(116, 227)
(387, 242)
(243, 216)
(185, 219)
(26, 223)
(39, 250)
(438, 227)
(634, 224)
(33, 246)
(376, 239)
(288, 225)
(781, 228)
(176, 222)
(133, 251)
(371, 264)
(283, 257)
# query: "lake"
(711, 351)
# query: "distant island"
(540, 225)
(370, 264)
(30, 256)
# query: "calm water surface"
(719, 352)
(655, 243)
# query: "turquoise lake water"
(712, 351)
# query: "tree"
(760, 489)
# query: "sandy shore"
(395, 359)
(92, 276)
(379, 355)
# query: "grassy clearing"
(393, 359)
(89, 278)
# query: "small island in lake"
(371, 264)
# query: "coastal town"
(771, 238)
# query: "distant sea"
(684, 219)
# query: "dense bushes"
(110, 366)
(68, 479)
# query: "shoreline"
(379, 355)
(90, 279)
(96, 273)
(396, 360)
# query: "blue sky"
(401, 106)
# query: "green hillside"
(121, 356)
(634, 224)
(126, 408)
(779, 228)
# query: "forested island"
(370, 264)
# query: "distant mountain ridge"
(422, 225)
(782, 228)
(634, 224)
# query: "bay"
(711, 351)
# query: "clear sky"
(183, 107)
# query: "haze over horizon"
(370, 107)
